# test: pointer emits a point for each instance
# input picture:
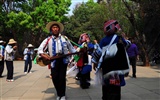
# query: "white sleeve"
(25, 51)
(9, 49)
(42, 45)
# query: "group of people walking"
(57, 44)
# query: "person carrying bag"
(113, 61)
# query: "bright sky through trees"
(74, 2)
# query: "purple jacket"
(132, 50)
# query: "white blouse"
(9, 53)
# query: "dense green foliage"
(25, 20)
(89, 17)
(137, 19)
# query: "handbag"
(111, 49)
(116, 58)
(108, 51)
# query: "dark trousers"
(59, 77)
(133, 64)
(10, 68)
(111, 92)
(84, 80)
(1, 67)
(28, 62)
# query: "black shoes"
(85, 86)
(134, 76)
(126, 75)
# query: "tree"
(79, 22)
(129, 14)
(145, 26)
(149, 11)
(27, 19)
(143, 16)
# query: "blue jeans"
(28, 62)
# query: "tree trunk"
(146, 60)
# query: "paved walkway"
(38, 86)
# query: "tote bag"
(119, 62)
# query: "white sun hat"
(30, 46)
(12, 41)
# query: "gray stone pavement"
(38, 85)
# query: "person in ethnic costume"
(116, 66)
(84, 63)
(57, 45)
